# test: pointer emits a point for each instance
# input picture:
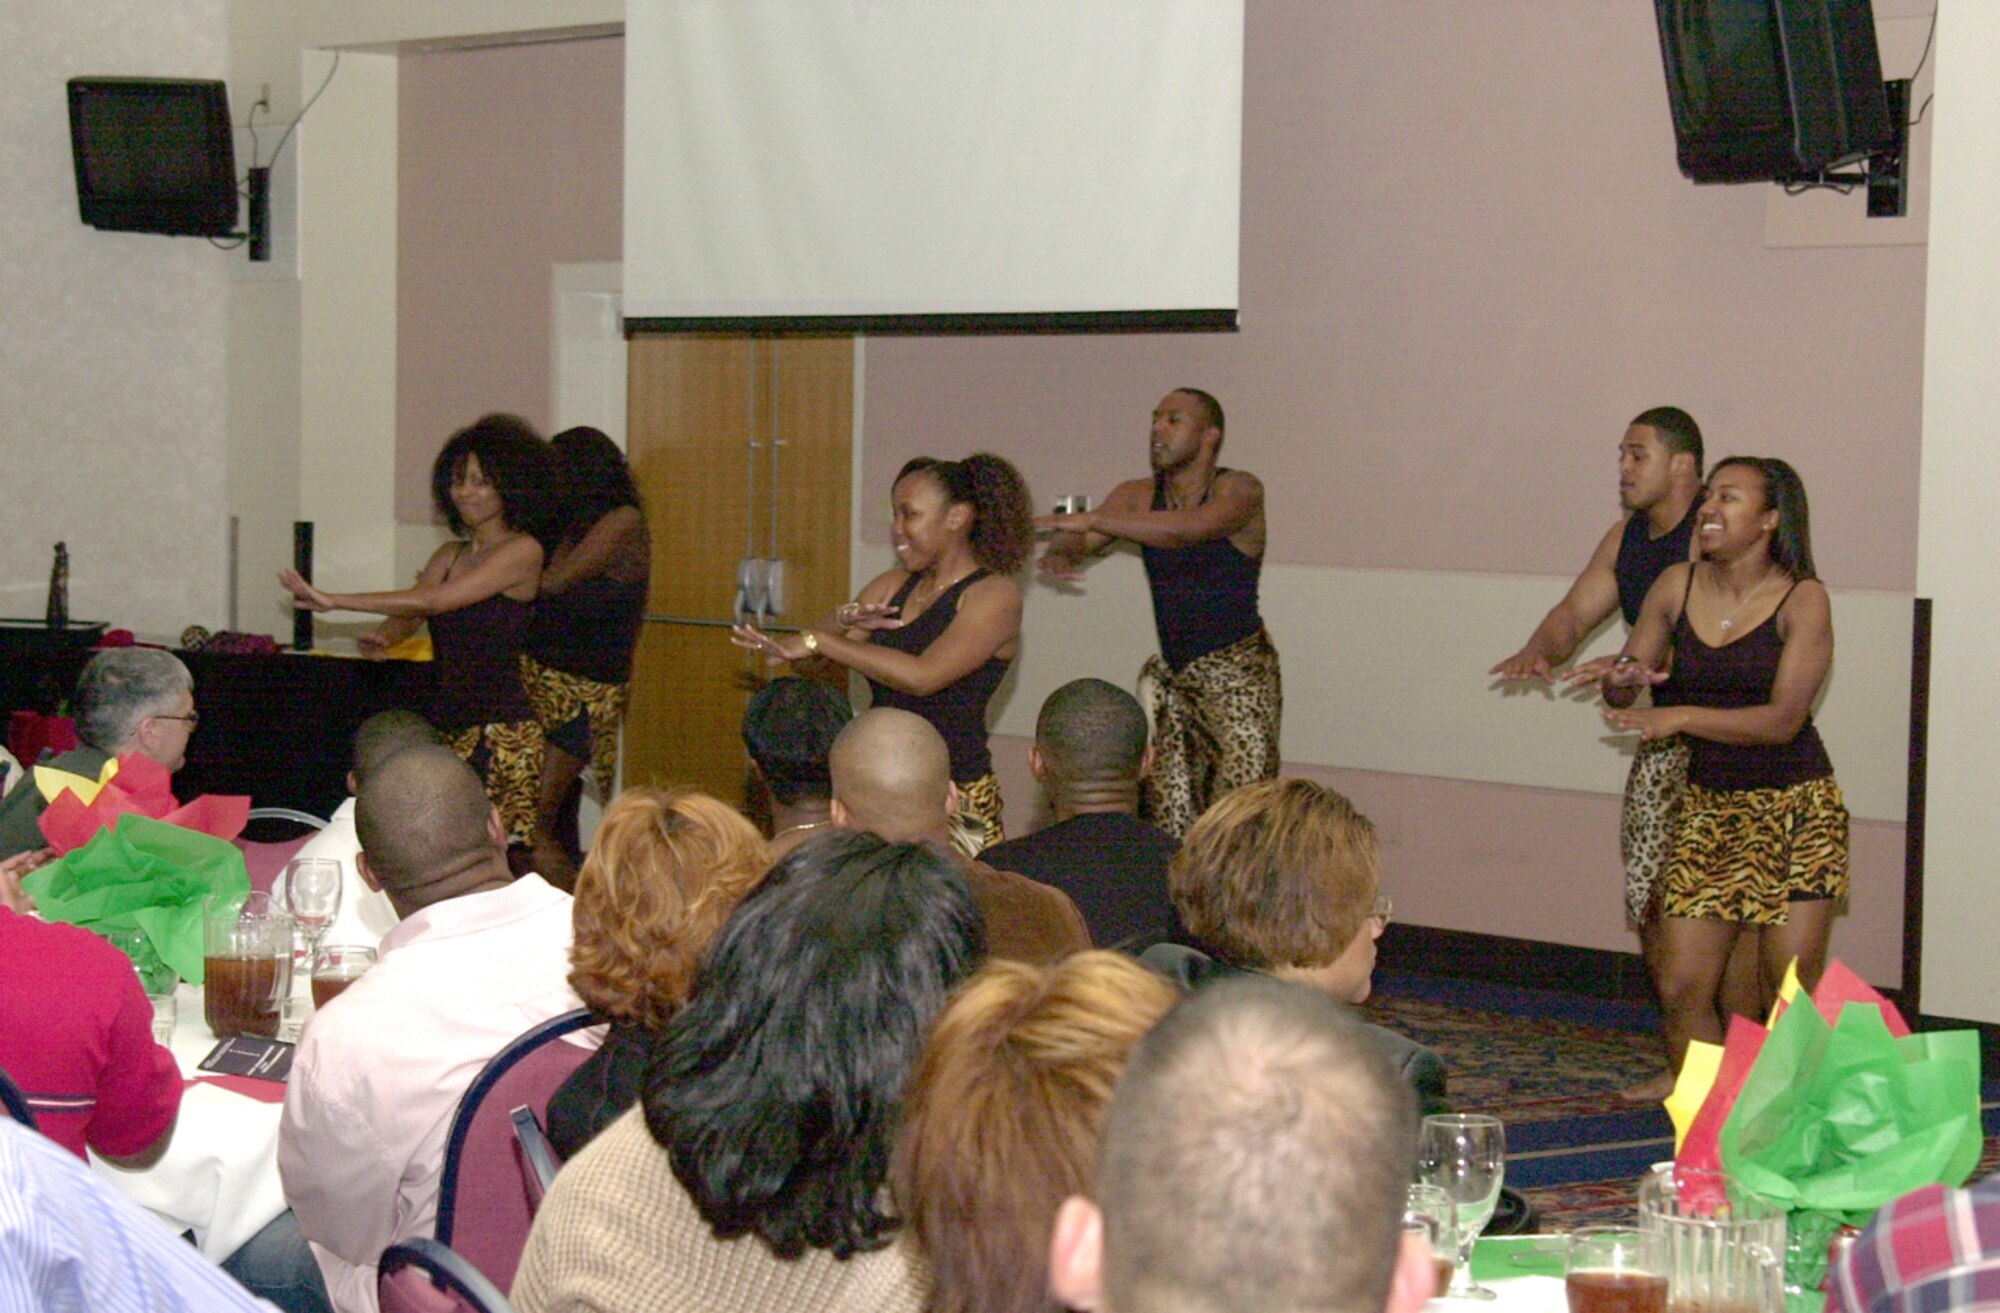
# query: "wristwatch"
(811, 641)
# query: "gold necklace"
(803, 825)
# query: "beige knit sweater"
(618, 1234)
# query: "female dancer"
(1762, 835)
(491, 484)
(935, 635)
(578, 667)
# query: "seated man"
(478, 958)
(70, 1241)
(1933, 1248)
(365, 915)
(76, 1034)
(892, 777)
(1282, 877)
(789, 728)
(1255, 1157)
(128, 699)
(1090, 754)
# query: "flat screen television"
(1772, 90)
(153, 155)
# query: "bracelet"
(845, 615)
(1626, 659)
(811, 641)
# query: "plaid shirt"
(1931, 1250)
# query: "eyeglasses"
(193, 718)
(1383, 912)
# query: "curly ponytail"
(1003, 523)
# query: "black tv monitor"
(153, 155)
(1772, 90)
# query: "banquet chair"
(265, 861)
(423, 1276)
(15, 1102)
(487, 1197)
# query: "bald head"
(892, 776)
(427, 831)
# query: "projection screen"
(932, 165)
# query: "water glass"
(312, 896)
(166, 1013)
(1428, 1210)
(1465, 1155)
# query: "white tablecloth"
(219, 1177)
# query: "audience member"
(478, 958)
(69, 1240)
(789, 728)
(1935, 1248)
(892, 777)
(1003, 1119)
(664, 872)
(128, 699)
(749, 1179)
(76, 1034)
(365, 915)
(1283, 877)
(1255, 1160)
(1090, 754)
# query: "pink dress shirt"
(380, 1071)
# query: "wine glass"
(1465, 1155)
(312, 891)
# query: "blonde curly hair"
(664, 872)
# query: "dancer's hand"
(11, 870)
(1650, 722)
(869, 616)
(1068, 522)
(1525, 664)
(1622, 673)
(374, 645)
(1591, 671)
(1059, 566)
(303, 593)
(776, 650)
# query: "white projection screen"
(932, 165)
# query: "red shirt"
(76, 1035)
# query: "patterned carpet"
(1551, 1065)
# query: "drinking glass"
(247, 958)
(312, 893)
(335, 967)
(1429, 1210)
(1615, 1269)
(1465, 1155)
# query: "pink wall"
(1467, 260)
(511, 160)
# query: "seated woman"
(749, 1178)
(491, 483)
(1284, 877)
(664, 872)
(1003, 1119)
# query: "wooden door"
(741, 447)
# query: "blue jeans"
(277, 1264)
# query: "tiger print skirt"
(508, 756)
(977, 825)
(560, 697)
(1745, 854)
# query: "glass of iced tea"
(247, 967)
(1615, 1269)
(1429, 1211)
(335, 967)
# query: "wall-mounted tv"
(153, 155)
(1772, 90)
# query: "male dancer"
(1213, 692)
(1659, 485)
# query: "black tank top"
(1740, 674)
(957, 711)
(479, 661)
(1643, 559)
(1204, 596)
(590, 628)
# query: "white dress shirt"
(379, 1073)
(365, 915)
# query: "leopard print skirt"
(508, 756)
(977, 825)
(1215, 728)
(1745, 854)
(560, 697)
(1653, 791)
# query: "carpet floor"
(1550, 1066)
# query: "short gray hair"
(123, 686)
